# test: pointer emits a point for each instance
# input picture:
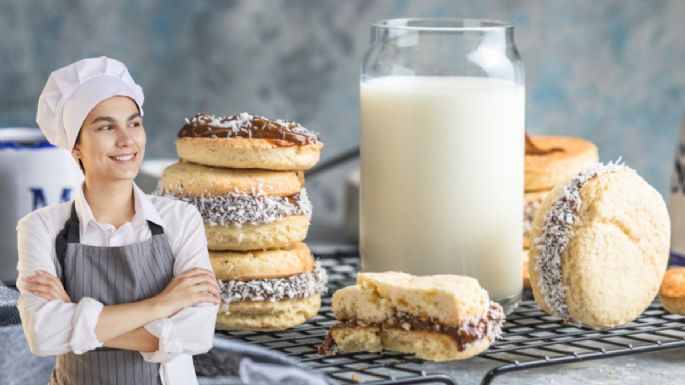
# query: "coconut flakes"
(277, 289)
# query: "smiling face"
(112, 140)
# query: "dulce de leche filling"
(464, 335)
(283, 133)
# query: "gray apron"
(111, 275)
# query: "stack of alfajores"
(245, 175)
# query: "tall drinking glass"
(442, 148)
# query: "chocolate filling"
(463, 335)
(283, 133)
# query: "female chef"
(117, 284)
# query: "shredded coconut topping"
(296, 286)
(493, 319)
(239, 208)
(495, 314)
(557, 233)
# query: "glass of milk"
(442, 152)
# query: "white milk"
(442, 178)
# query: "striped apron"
(111, 275)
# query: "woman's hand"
(47, 286)
(187, 289)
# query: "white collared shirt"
(55, 327)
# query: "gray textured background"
(611, 71)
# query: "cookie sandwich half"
(438, 317)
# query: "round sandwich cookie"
(248, 141)
(601, 245)
(268, 290)
(262, 264)
(672, 292)
(438, 317)
(243, 209)
(555, 160)
(268, 315)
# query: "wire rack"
(531, 339)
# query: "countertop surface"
(664, 367)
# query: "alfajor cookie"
(248, 141)
(269, 289)
(601, 244)
(438, 318)
(262, 264)
(672, 291)
(269, 315)
(556, 159)
(243, 209)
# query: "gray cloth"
(8, 296)
(9, 315)
(233, 362)
(17, 365)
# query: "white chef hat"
(71, 92)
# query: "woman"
(117, 284)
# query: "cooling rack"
(531, 339)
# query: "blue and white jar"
(34, 174)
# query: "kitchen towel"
(17, 365)
(9, 314)
(233, 362)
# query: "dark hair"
(78, 139)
